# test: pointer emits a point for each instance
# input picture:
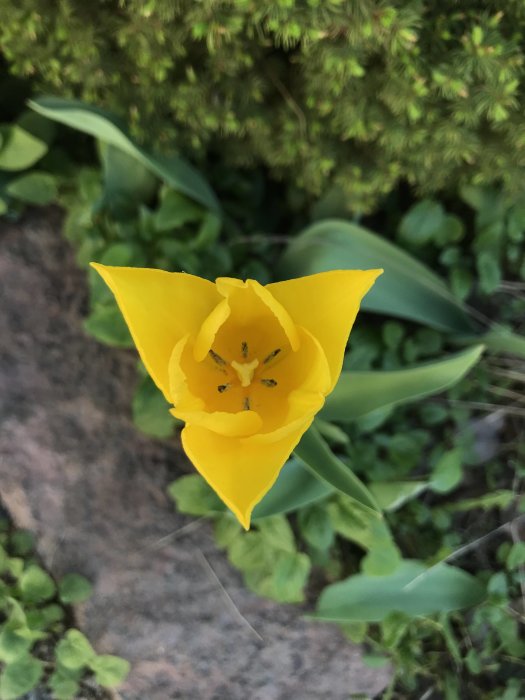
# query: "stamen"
(244, 349)
(246, 404)
(269, 382)
(217, 358)
(223, 387)
(273, 354)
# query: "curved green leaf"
(295, 488)
(407, 289)
(315, 454)
(359, 393)
(504, 341)
(172, 170)
(411, 589)
(391, 495)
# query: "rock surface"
(75, 471)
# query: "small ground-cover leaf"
(74, 650)
(20, 677)
(447, 473)
(73, 588)
(36, 585)
(109, 670)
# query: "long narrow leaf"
(411, 589)
(359, 393)
(407, 289)
(315, 454)
(173, 170)
(295, 488)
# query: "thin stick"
(462, 550)
(210, 570)
(184, 530)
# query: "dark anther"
(223, 387)
(217, 358)
(273, 354)
(244, 349)
(246, 404)
(269, 382)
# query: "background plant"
(422, 463)
(38, 645)
(331, 97)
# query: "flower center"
(245, 371)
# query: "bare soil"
(74, 470)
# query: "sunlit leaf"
(407, 288)
(359, 393)
(411, 589)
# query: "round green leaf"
(447, 473)
(74, 650)
(422, 223)
(105, 323)
(33, 188)
(109, 670)
(411, 589)
(151, 410)
(25, 142)
(63, 688)
(13, 644)
(36, 585)
(20, 677)
(73, 588)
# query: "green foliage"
(22, 145)
(411, 589)
(334, 96)
(36, 648)
(268, 557)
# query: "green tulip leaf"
(391, 495)
(174, 171)
(407, 288)
(128, 183)
(411, 589)
(295, 488)
(360, 393)
(315, 454)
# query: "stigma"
(245, 371)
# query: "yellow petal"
(251, 301)
(326, 304)
(240, 470)
(160, 308)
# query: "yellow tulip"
(245, 366)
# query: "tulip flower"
(245, 366)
